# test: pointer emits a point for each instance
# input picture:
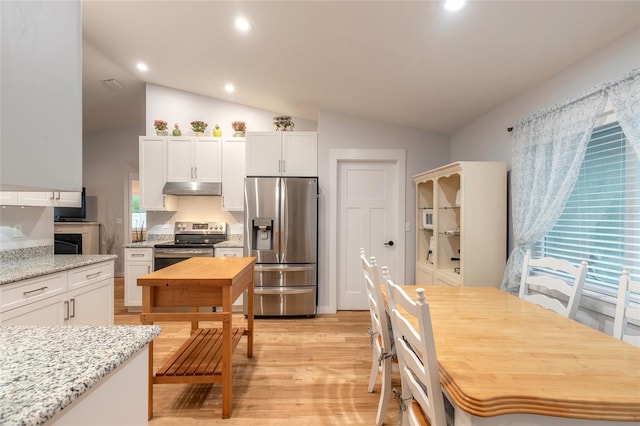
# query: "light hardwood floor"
(311, 371)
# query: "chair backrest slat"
(379, 320)
(417, 359)
(545, 284)
(625, 311)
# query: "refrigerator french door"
(281, 232)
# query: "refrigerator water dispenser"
(262, 237)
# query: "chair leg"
(374, 371)
(385, 392)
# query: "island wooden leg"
(226, 354)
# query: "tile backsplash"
(193, 209)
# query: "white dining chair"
(421, 400)
(383, 357)
(625, 312)
(551, 275)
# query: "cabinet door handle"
(163, 200)
(137, 255)
(284, 166)
(94, 275)
(66, 308)
(73, 308)
(57, 196)
(148, 269)
(28, 293)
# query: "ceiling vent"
(113, 84)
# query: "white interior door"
(368, 201)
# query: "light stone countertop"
(44, 369)
(22, 269)
(146, 244)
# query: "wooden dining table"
(505, 361)
(206, 357)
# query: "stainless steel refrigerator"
(281, 232)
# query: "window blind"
(601, 220)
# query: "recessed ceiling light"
(142, 67)
(229, 88)
(454, 5)
(243, 25)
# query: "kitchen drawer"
(91, 274)
(229, 252)
(138, 254)
(32, 290)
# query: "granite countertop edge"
(18, 270)
(46, 368)
(229, 244)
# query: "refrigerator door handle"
(278, 268)
(281, 290)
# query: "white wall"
(340, 131)
(486, 138)
(36, 223)
(176, 106)
(108, 157)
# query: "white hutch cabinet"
(461, 224)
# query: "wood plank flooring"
(304, 372)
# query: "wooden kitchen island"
(200, 282)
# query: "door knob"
(390, 243)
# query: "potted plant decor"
(198, 127)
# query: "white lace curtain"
(547, 154)
(625, 98)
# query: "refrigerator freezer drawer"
(274, 275)
(283, 302)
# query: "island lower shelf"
(199, 359)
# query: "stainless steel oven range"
(191, 239)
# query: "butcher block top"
(205, 271)
(499, 354)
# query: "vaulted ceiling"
(406, 62)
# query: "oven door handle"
(180, 253)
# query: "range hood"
(192, 188)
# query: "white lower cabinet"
(50, 311)
(231, 252)
(80, 296)
(137, 262)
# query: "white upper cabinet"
(153, 175)
(194, 159)
(282, 154)
(299, 153)
(233, 173)
(8, 198)
(41, 83)
(41, 198)
(264, 153)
